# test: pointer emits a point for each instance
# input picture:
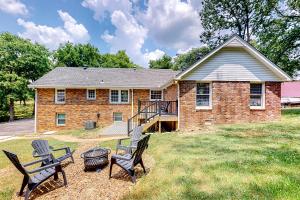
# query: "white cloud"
(15, 7)
(101, 7)
(173, 23)
(129, 35)
(154, 55)
(78, 32)
(51, 37)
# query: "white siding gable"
(231, 64)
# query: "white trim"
(35, 109)
(178, 109)
(210, 97)
(57, 119)
(56, 102)
(132, 103)
(87, 94)
(162, 95)
(283, 76)
(119, 96)
(263, 106)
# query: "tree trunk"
(11, 109)
(24, 102)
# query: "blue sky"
(145, 29)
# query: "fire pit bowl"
(95, 159)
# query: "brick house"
(234, 83)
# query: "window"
(155, 95)
(203, 95)
(60, 119)
(119, 96)
(117, 117)
(60, 95)
(124, 96)
(256, 95)
(91, 94)
(114, 96)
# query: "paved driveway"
(18, 127)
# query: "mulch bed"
(89, 185)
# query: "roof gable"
(237, 42)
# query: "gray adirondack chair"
(42, 149)
(135, 137)
(129, 161)
(41, 174)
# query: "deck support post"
(159, 126)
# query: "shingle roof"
(78, 77)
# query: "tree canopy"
(165, 62)
(118, 60)
(185, 60)
(264, 24)
(20, 63)
(79, 55)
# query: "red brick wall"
(230, 104)
(78, 109)
(170, 93)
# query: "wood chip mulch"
(89, 185)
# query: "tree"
(280, 38)
(185, 60)
(165, 62)
(11, 85)
(118, 60)
(20, 63)
(271, 25)
(221, 18)
(77, 55)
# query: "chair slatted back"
(16, 162)
(136, 135)
(142, 145)
(41, 147)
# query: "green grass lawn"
(243, 161)
(10, 179)
(248, 161)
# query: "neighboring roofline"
(267, 62)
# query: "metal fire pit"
(95, 159)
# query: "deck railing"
(149, 109)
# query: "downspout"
(178, 99)
(35, 110)
(132, 104)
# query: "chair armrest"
(116, 156)
(35, 155)
(59, 149)
(43, 168)
(34, 162)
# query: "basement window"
(117, 117)
(257, 93)
(60, 119)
